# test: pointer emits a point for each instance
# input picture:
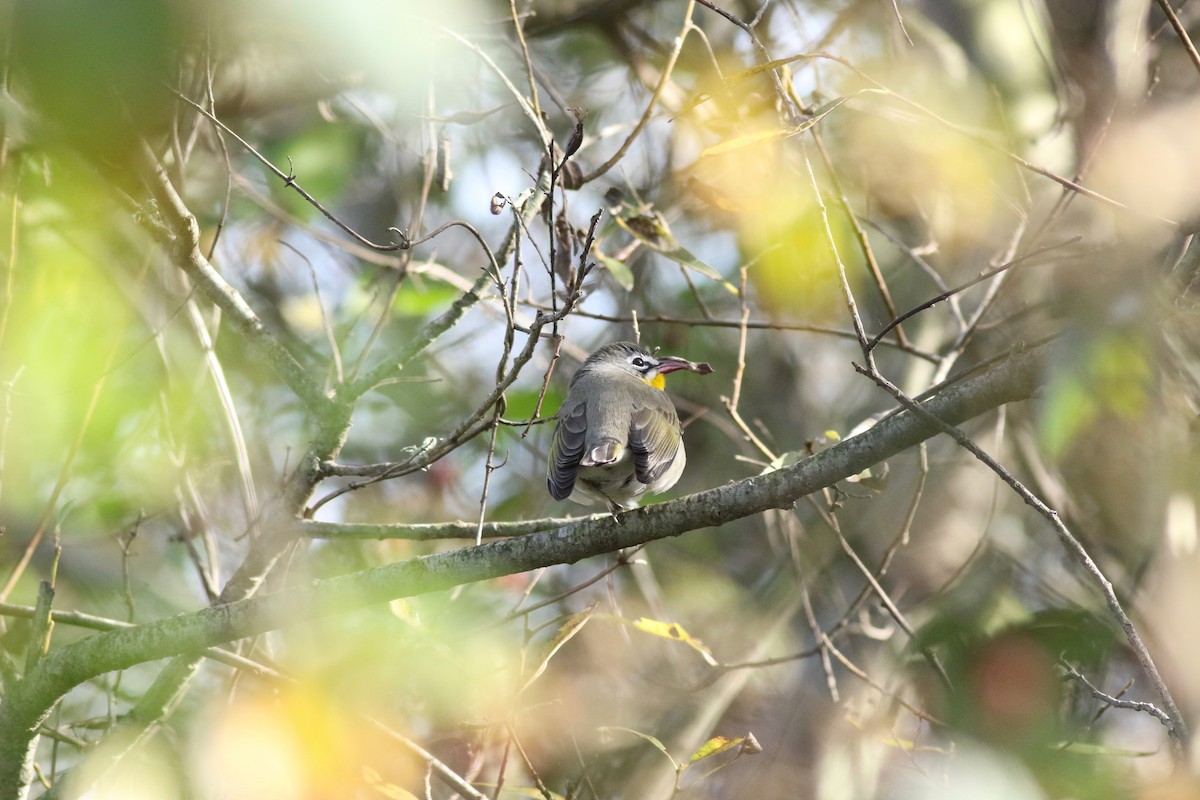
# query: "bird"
(617, 434)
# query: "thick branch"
(433, 531)
(181, 237)
(31, 699)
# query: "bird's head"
(633, 359)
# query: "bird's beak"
(668, 364)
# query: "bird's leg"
(613, 508)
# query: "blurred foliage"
(893, 151)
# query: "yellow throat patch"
(658, 382)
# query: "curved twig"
(289, 179)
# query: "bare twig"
(1115, 702)
(182, 240)
(228, 411)
(860, 235)
(1178, 727)
(753, 324)
(933, 301)
(289, 180)
(29, 701)
(664, 78)
(1181, 32)
(731, 403)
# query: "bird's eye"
(639, 362)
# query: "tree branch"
(181, 238)
(432, 531)
(30, 700)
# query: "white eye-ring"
(639, 362)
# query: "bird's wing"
(566, 449)
(655, 436)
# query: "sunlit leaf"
(403, 609)
(673, 631)
(768, 66)
(738, 142)
(717, 744)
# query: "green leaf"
(682, 256)
(618, 269)
(1089, 749)
(717, 744)
(423, 300)
(651, 230)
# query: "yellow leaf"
(673, 630)
(747, 140)
(717, 744)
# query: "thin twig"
(50, 510)
(964, 286)
(860, 235)
(520, 31)
(752, 324)
(731, 403)
(326, 323)
(289, 180)
(228, 410)
(1178, 727)
(1181, 32)
(1115, 702)
(664, 78)
(823, 643)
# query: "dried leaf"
(568, 629)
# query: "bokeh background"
(746, 156)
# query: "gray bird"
(618, 435)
